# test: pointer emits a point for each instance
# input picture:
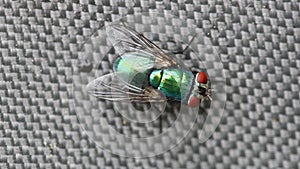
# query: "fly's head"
(200, 90)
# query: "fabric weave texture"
(258, 43)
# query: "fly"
(144, 73)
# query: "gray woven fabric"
(259, 45)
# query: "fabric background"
(259, 45)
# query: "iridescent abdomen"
(174, 83)
(134, 68)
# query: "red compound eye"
(201, 78)
(194, 101)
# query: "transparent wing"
(125, 39)
(110, 87)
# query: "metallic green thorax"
(155, 78)
(175, 83)
(138, 69)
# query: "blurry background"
(258, 43)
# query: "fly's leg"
(160, 120)
(183, 51)
(187, 47)
(160, 123)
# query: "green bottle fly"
(145, 73)
(137, 69)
